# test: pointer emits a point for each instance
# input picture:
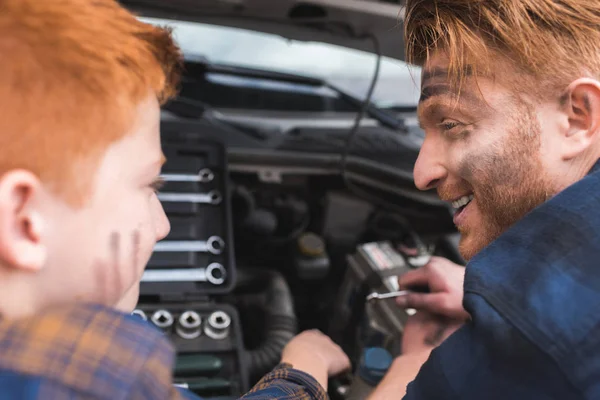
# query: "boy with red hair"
(81, 84)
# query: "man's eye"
(157, 184)
(449, 125)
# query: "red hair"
(551, 41)
(71, 76)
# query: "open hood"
(347, 23)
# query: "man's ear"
(21, 225)
(582, 106)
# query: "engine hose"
(281, 321)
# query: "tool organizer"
(195, 263)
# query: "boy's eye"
(157, 184)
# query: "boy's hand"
(317, 355)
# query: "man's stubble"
(508, 181)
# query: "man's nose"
(429, 169)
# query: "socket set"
(197, 255)
(209, 346)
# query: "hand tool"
(381, 296)
(162, 319)
(217, 326)
(212, 197)
(399, 293)
(204, 175)
(214, 245)
(188, 325)
(215, 273)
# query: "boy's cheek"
(129, 300)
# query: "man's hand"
(445, 281)
(422, 333)
(317, 355)
(425, 331)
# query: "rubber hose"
(281, 321)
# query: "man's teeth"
(463, 201)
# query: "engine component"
(197, 364)
(213, 197)
(188, 325)
(214, 245)
(311, 261)
(217, 325)
(162, 319)
(280, 318)
(140, 313)
(374, 268)
(374, 363)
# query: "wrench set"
(197, 254)
(194, 263)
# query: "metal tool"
(162, 319)
(390, 295)
(140, 314)
(215, 273)
(217, 326)
(204, 175)
(188, 325)
(214, 245)
(212, 197)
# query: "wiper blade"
(385, 118)
(186, 107)
(382, 116)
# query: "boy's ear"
(582, 106)
(21, 225)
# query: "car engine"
(258, 253)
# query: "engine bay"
(258, 253)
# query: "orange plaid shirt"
(91, 352)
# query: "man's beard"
(507, 181)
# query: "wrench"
(213, 245)
(381, 296)
(204, 175)
(215, 273)
(212, 197)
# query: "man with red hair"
(510, 106)
(81, 84)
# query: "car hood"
(347, 23)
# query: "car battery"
(195, 264)
(374, 267)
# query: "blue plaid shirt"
(91, 352)
(534, 299)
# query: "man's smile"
(460, 206)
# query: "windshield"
(348, 69)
